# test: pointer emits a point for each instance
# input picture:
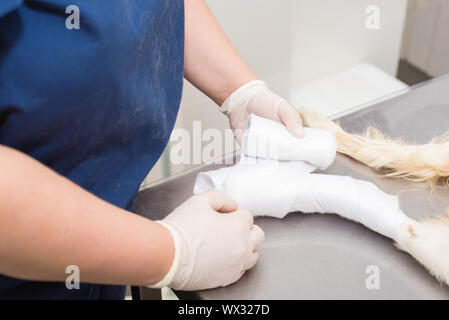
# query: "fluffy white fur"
(428, 242)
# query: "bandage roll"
(264, 138)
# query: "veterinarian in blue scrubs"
(84, 115)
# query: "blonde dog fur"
(428, 163)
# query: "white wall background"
(330, 36)
(288, 42)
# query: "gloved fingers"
(236, 277)
(246, 217)
(257, 238)
(290, 118)
(252, 260)
(219, 201)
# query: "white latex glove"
(255, 97)
(214, 243)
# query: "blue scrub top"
(95, 104)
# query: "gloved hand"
(214, 242)
(255, 97)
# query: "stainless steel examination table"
(313, 256)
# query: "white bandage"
(277, 192)
(264, 138)
(275, 188)
(356, 200)
(261, 188)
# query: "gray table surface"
(312, 256)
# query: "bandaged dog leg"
(357, 200)
(427, 241)
(264, 138)
(289, 189)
